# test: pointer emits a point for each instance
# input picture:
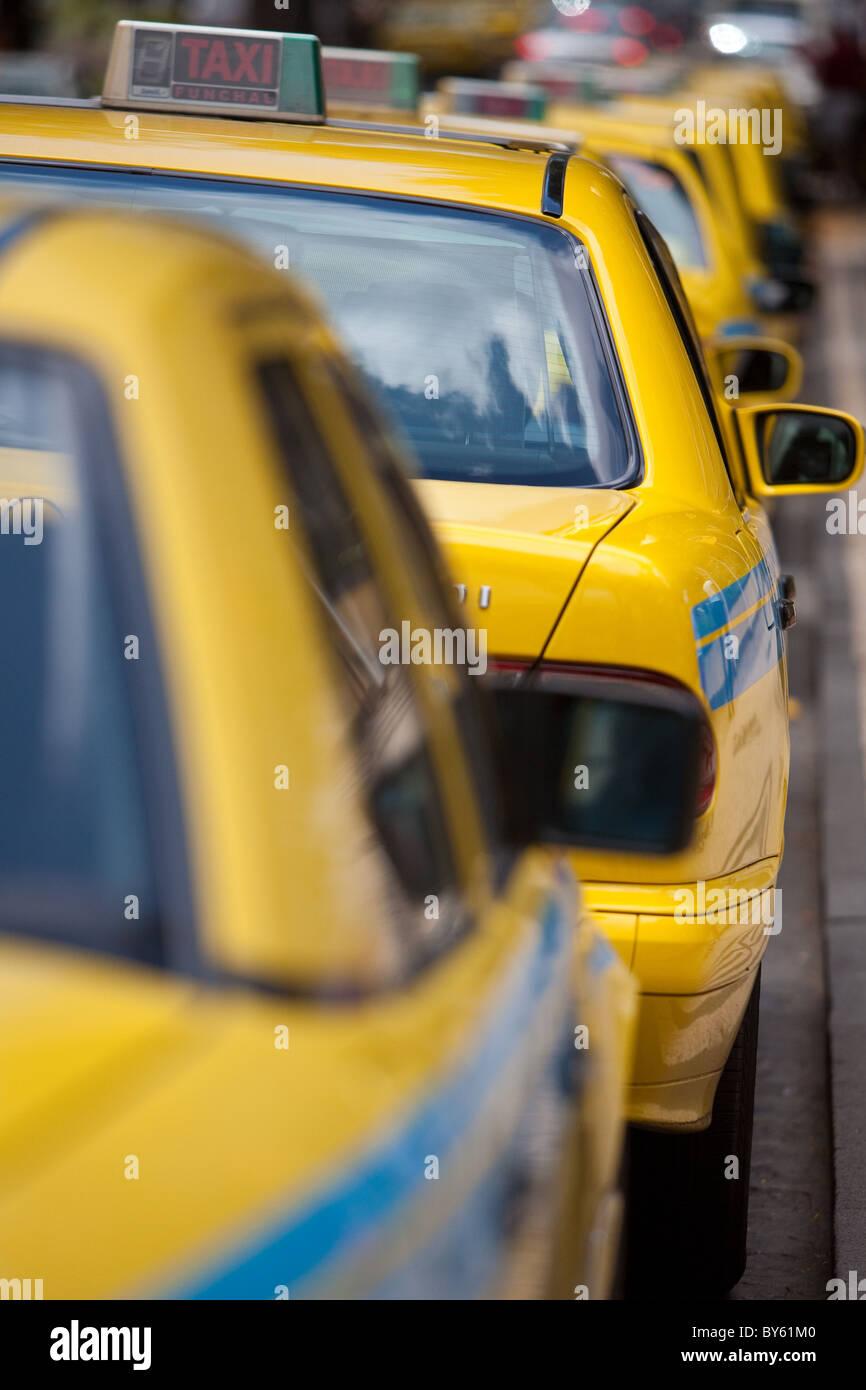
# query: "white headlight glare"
(727, 38)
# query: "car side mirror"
(600, 763)
(799, 449)
(782, 294)
(754, 370)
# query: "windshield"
(479, 332)
(664, 200)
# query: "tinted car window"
(394, 767)
(477, 331)
(74, 848)
(470, 704)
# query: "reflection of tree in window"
(494, 306)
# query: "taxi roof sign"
(371, 78)
(237, 72)
(559, 81)
(589, 82)
(471, 96)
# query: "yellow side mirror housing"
(749, 370)
(794, 450)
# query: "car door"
(754, 517)
(749, 605)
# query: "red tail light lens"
(707, 778)
(533, 47)
(629, 53)
(636, 21)
(505, 667)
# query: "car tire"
(687, 1220)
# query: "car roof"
(480, 170)
(650, 126)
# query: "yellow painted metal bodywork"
(677, 1035)
(721, 359)
(757, 179)
(618, 589)
(106, 1061)
(323, 156)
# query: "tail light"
(636, 21)
(629, 53)
(533, 47)
(707, 778)
(516, 668)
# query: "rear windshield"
(480, 333)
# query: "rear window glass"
(481, 334)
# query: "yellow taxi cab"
(757, 155)
(289, 1007)
(522, 322)
(751, 83)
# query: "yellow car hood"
(516, 553)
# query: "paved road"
(790, 1230)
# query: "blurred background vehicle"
(455, 36)
(617, 35)
(773, 33)
(815, 50)
(38, 75)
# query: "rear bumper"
(695, 949)
(682, 1046)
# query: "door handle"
(787, 594)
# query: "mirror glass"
(623, 777)
(800, 446)
(782, 295)
(604, 772)
(757, 370)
